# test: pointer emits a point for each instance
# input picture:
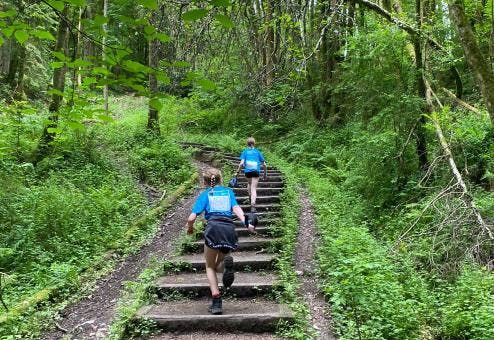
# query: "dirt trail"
(305, 266)
(91, 317)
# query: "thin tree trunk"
(103, 57)
(421, 90)
(58, 84)
(153, 119)
(473, 55)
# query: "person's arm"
(240, 165)
(190, 223)
(240, 214)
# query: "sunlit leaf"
(58, 5)
(163, 37)
(181, 63)
(7, 14)
(89, 80)
(100, 20)
(220, 3)
(54, 130)
(79, 3)
(1, 41)
(43, 35)
(150, 4)
(56, 64)
(101, 70)
(80, 63)
(76, 126)
(155, 103)
(163, 78)
(224, 20)
(149, 29)
(21, 36)
(206, 84)
(195, 14)
(8, 31)
(59, 55)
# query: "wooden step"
(261, 185)
(260, 199)
(214, 335)
(244, 243)
(238, 315)
(263, 222)
(196, 284)
(242, 179)
(243, 231)
(241, 260)
(262, 207)
(260, 191)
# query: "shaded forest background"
(384, 110)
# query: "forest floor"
(91, 317)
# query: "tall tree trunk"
(421, 90)
(473, 55)
(59, 85)
(153, 119)
(269, 44)
(103, 57)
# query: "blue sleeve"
(242, 155)
(233, 200)
(200, 204)
(261, 157)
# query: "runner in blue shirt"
(251, 160)
(218, 203)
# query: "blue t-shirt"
(219, 202)
(252, 160)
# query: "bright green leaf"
(150, 4)
(181, 63)
(163, 78)
(195, 14)
(76, 126)
(100, 20)
(21, 36)
(79, 3)
(8, 31)
(105, 118)
(155, 104)
(57, 64)
(164, 38)
(43, 35)
(224, 20)
(58, 5)
(59, 55)
(206, 84)
(101, 70)
(54, 130)
(1, 41)
(7, 14)
(220, 3)
(89, 80)
(80, 63)
(149, 29)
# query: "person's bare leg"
(220, 265)
(253, 189)
(211, 256)
(249, 189)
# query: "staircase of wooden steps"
(249, 305)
